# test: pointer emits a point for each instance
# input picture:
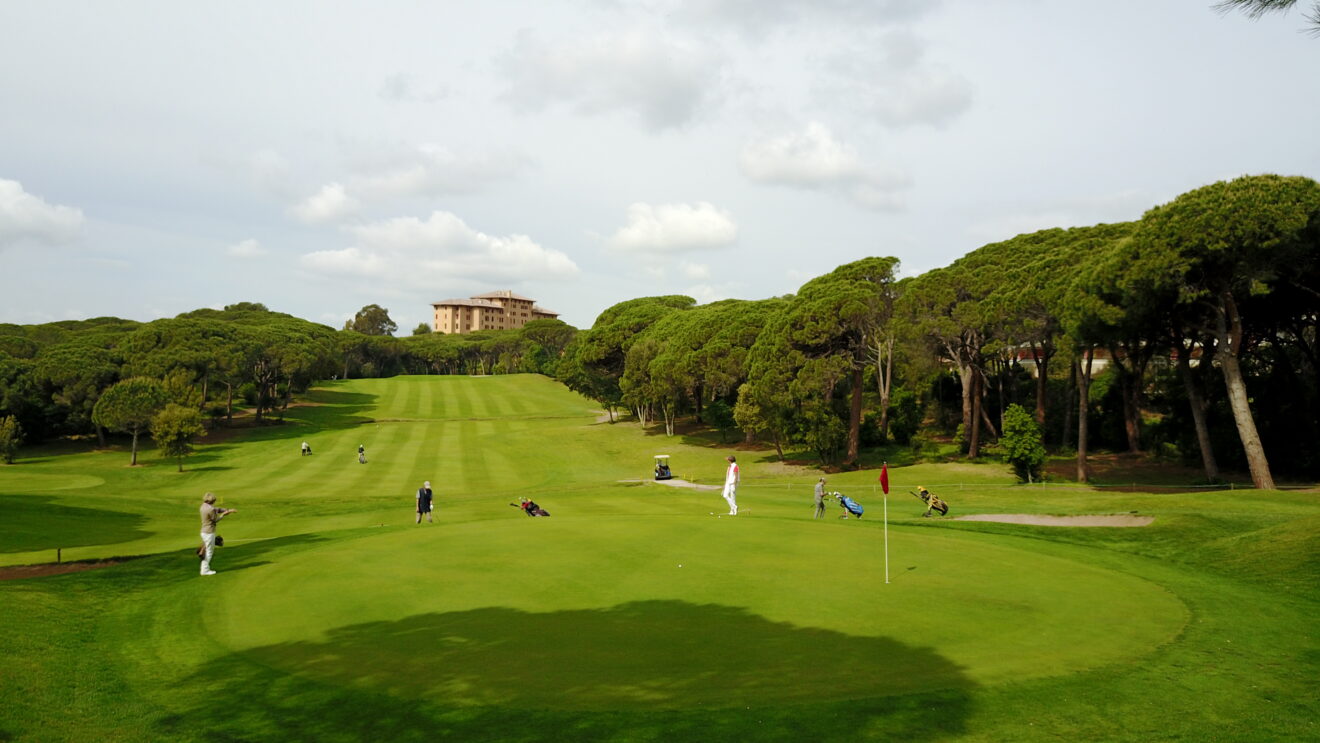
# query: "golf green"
(603, 613)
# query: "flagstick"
(886, 540)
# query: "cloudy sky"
(157, 157)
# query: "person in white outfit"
(731, 485)
(210, 517)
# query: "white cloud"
(758, 17)
(433, 170)
(27, 219)
(1117, 207)
(438, 251)
(674, 228)
(271, 172)
(329, 204)
(889, 78)
(815, 159)
(404, 88)
(695, 271)
(707, 293)
(799, 277)
(664, 82)
(246, 249)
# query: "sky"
(317, 157)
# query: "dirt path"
(1118, 519)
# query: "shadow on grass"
(33, 522)
(653, 670)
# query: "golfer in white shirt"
(731, 485)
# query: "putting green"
(632, 611)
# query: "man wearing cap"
(424, 496)
(210, 517)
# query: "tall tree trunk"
(974, 431)
(1083, 404)
(855, 418)
(1068, 407)
(884, 379)
(1197, 402)
(968, 391)
(1131, 412)
(100, 436)
(1131, 370)
(1042, 375)
(1229, 329)
(135, 435)
(985, 418)
(229, 403)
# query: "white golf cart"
(662, 471)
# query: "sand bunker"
(675, 483)
(1118, 519)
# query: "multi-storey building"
(492, 311)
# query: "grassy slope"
(129, 653)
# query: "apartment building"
(502, 310)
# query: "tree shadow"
(34, 522)
(654, 670)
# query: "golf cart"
(662, 467)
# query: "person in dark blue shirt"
(424, 497)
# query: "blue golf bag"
(850, 505)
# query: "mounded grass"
(335, 618)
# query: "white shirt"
(731, 478)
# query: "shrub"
(1022, 444)
(11, 435)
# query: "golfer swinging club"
(731, 485)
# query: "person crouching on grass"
(211, 516)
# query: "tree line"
(1203, 314)
(172, 376)
(1191, 332)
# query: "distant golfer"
(731, 480)
(820, 499)
(306, 448)
(210, 517)
(362, 454)
(424, 496)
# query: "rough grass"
(335, 618)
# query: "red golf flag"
(884, 477)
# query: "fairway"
(633, 608)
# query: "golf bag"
(850, 505)
(932, 500)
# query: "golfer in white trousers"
(731, 485)
(211, 516)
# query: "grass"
(334, 617)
